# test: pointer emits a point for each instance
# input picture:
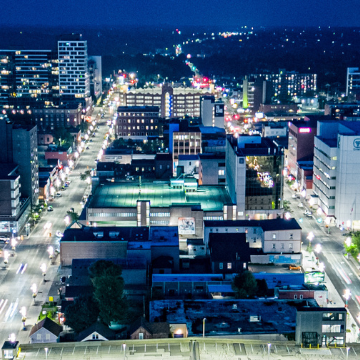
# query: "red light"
(318, 177)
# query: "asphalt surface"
(23, 269)
(344, 274)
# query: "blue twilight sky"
(181, 12)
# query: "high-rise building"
(95, 73)
(353, 82)
(74, 79)
(254, 177)
(19, 146)
(28, 78)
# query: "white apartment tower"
(74, 79)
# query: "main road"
(343, 273)
(23, 269)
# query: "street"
(23, 269)
(341, 272)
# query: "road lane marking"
(24, 268)
(344, 276)
(3, 306)
(18, 270)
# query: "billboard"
(186, 225)
(219, 110)
(314, 277)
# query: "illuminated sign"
(314, 277)
(305, 130)
(186, 225)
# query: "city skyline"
(184, 13)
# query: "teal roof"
(126, 195)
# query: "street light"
(204, 319)
(6, 257)
(43, 269)
(23, 316)
(50, 250)
(318, 248)
(347, 296)
(321, 267)
(13, 243)
(269, 346)
(347, 352)
(34, 291)
(310, 237)
(348, 241)
(46, 352)
(124, 347)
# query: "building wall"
(45, 337)
(212, 172)
(313, 321)
(90, 337)
(91, 250)
(282, 241)
(10, 197)
(135, 334)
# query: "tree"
(85, 175)
(82, 313)
(73, 216)
(244, 285)
(262, 288)
(109, 291)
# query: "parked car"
(294, 267)
(87, 148)
(130, 178)
(58, 194)
(300, 205)
(50, 208)
(4, 239)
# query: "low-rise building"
(45, 331)
(320, 326)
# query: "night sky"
(94, 13)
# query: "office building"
(14, 209)
(320, 326)
(256, 91)
(212, 112)
(183, 140)
(137, 122)
(212, 169)
(95, 73)
(20, 147)
(353, 82)
(74, 79)
(28, 78)
(173, 102)
(254, 177)
(301, 143)
(337, 171)
(343, 111)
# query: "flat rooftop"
(126, 195)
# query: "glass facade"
(263, 182)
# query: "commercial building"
(137, 122)
(353, 82)
(74, 78)
(95, 73)
(179, 203)
(130, 243)
(183, 140)
(301, 143)
(274, 130)
(63, 116)
(337, 170)
(28, 78)
(173, 102)
(278, 236)
(14, 209)
(343, 111)
(212, 112)
(254, 177)
(19, 146)
(320, 326)
(212, 169)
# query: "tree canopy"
(109, 291)
(82, 313)
(244, 285)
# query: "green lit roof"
(125, 195)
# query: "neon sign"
(305, 130)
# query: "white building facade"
(337, 171)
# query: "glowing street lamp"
(50, 250)
(287, 216)
(34, 291)
(23, 316)
(6, 257)
(67, 220)
(348, 241)
(321, 267)
(269, 346)
(319, 211)
(13, 243)
(318, 248)
(76, 154)
(347, 296)
(204, 319)
(43, 270)
(310, 237)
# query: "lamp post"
(269, 346)
(23, 316)
(46, 352)
(50, 250)
(43, 269)
(347, 295)
(6, 257)
(347, 353)
(204, 319)
(34, 291)
(124, 346)
(310, 237)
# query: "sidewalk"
(334, 299)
